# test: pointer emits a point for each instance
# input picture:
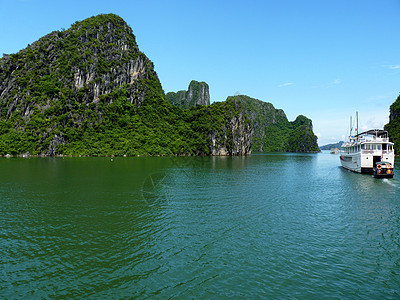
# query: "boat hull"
(383, 172)
(383, 175)
(352, 163)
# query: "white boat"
(335, 151)
(369, 152)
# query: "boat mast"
(357, 123)
(351, 129)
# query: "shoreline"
(140, 155)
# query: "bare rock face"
(235, 136)
(197, 94)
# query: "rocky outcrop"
(197, 94)
(273, 132)
(234, 138)
(91, 59)
(302, 137)
(263, 116)
(68, 81)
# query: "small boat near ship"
(383, 170)
(369, 152)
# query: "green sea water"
(265, 226)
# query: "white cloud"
(337, 81)
(393, 67)
(285, 84)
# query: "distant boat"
(369, 152)
(335, 151)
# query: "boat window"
(363, 146)
(374, 147)
(379, 147)
(384, 146)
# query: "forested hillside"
(393, 127)
(89, 90)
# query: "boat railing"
(376, 152)
(367, 151)
(374, 140)
(387, 151)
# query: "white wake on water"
(389, 181)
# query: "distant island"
(330, 146)
(89, 90)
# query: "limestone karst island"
(89, 90)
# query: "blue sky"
(323, 59)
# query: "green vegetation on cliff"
(273, 131)
(197, 94)
(393, 127)
(302, 137)
(89, 90)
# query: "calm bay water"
(269, 225)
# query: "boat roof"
(383, 163)
(375, 132)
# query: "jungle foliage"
(73, 92)
(42, 111)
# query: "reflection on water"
(266, 226)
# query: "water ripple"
(266, 226)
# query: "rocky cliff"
(234, 137)
(197, 94)
(393, 127)
(92, 58)
(302, 137)
(89, 90)
(69, 78)
(273, 132)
